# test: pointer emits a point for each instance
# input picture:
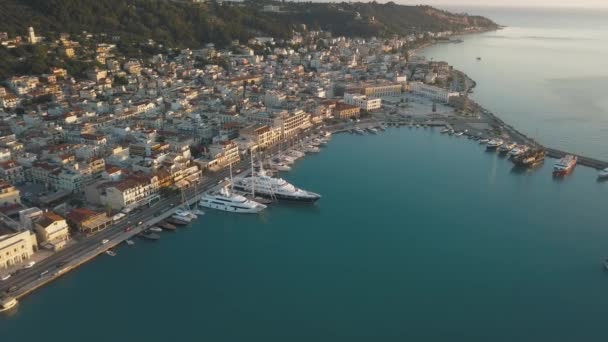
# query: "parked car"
(5, 277)
(30, 264)
(104, 241)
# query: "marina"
(277, 245)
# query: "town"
(85, 158)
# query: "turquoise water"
(545, 73)
(418, 237)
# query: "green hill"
(185, 23)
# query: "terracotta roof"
(48, 218)
(79, 215)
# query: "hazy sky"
(505, 3)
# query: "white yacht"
(289, 160)
(518, 150)
(603, 174)
(494, 144)
(226, 200)
(263, 185)
(182, 216)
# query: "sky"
(502, 3)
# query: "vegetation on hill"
(182, 23)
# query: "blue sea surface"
(418, 237)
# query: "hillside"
(184, 23)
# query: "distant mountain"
(193, 23)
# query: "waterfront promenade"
(73, 256)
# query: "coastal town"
(126, 147)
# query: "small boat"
(458, 134)
(279, 166)
(111, 253)
(518, 150)
(478, 58)
(494, 144)
(483, 140)
(198, 212)
(130, 242)
(167, 226)
(372, 130)
(359, 131)
(506, 148)
(149, 235)
(603, 174)
(177, 222)
(606, 263)
(155, 229)
(444, 131)
(7, 303)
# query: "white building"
(432, 92)
(363, 102)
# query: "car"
(61, 264)
(44, 273)
(140, 223)
(104, 241)
(30, 264)
(5, 277)
(172, 204)
(128, 229)
(12, 289)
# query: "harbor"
(224, 266)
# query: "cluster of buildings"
(74, 152)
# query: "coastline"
(505, 129)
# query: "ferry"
(565, 165)
(274, 188)
(603, 174)
(226, 200)
(7, 303)
(494, 144)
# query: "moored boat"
(226, 200)
(493, 144)
(603, 174)
(155, 229)
(7, 303)
(529, 158)
(129, 242)
(274, 188)
(507, 147)
(565, 165)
